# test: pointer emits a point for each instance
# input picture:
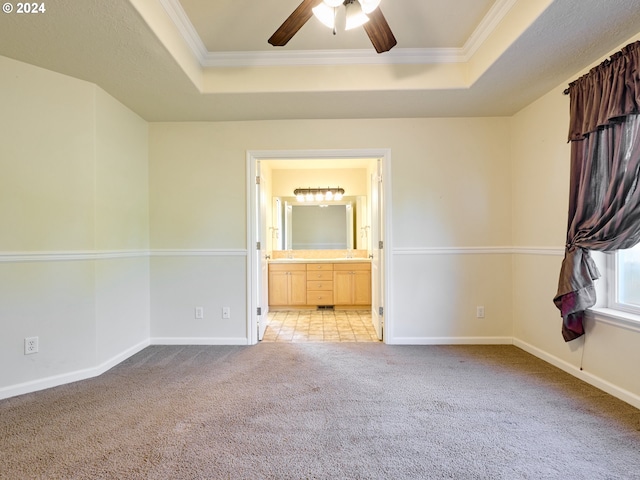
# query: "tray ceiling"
(193, 60)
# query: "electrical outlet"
(199, 313)
(226, 312)
(30, 345)
(480, 312)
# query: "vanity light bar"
(319, 194)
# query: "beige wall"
(73, 195)
(606, 356)
(437, 165)
(540, 164)
(450, 189)
(47, 127)
(121, 228)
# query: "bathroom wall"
(353, 180)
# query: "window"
(625, 290)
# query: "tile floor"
(320, 326)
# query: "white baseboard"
(62, 379)
(450, 341)
(611, 389)
(199, 341)
(84, 374)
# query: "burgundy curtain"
(604, 195)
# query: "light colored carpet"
(322, 411)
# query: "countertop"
(320, 260)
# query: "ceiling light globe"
(325, 14)
(355, 16)
(369, 6)
(309, 197)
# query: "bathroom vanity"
(300, 283)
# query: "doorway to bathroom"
(265, 231)
(298, 326)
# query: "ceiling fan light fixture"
(375, 26)
(355, 16)
(369, 6)
(326, 14)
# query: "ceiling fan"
(367, 12)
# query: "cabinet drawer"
(351, 266)
(319, 297)
(287, 267)
(319, 285)
(321, 275)
(319, 267)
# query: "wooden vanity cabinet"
(352, 283)
(287, 284)
(319, 284)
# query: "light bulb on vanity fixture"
(318, 194)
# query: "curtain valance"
(609, 91)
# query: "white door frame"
(252, 235)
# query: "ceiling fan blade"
(291, 25)
(379, 32)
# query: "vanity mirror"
(317, 225)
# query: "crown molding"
(397, 56)
(180, 19)
(487, 25)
